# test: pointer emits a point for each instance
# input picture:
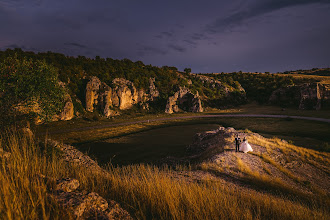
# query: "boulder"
(66, 184)
(184, 99)
(86, 205)
(83, 204)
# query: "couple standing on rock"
(245, 147)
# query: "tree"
(187, 70)
(25, 84)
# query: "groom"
(237, 141)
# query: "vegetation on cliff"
(259, 86)
(74, 71)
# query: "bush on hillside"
(29, 87)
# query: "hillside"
(99, 87)
(276, 181)
(314, 71)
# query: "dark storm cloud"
(167, 34)
(253, 10)
(23, 47)
(146, 50)
(208, 36)
(190, 42)
(76, 45)
(177, 48)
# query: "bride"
(245, 146)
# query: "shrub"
(29, 85)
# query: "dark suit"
(237, 141)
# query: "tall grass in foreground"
(23, 194)
(147, 192)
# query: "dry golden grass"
(318, 159)
(148, 192)
(22, 193)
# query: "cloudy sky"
(205, 35)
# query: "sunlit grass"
(148, 192)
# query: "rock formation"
(83, 204)
(122, 95)
(305, 96)
(86, 205)
(184, 99)
(207, 144)
(153, 92)
(68, 110)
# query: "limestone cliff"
(68, 110)
(122, 95)
(305, 96)
(185, 100)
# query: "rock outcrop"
(305, 96)
(185, 100)
(153, 92)
(86, 205)
(207, 144)
(122, 95)
(75, 157)
(68, 110)
(92, 93)
(83, 204)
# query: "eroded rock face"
(184, 99)
(126, 93)
(305, 96)
(153, 92)
(68, 110)
(92, 93)
(123, 95)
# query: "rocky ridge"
(83, 204)
(216, 84)
(305, 96)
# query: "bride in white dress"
(245, 146)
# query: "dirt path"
(108, 125)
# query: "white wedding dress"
(245, 147)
